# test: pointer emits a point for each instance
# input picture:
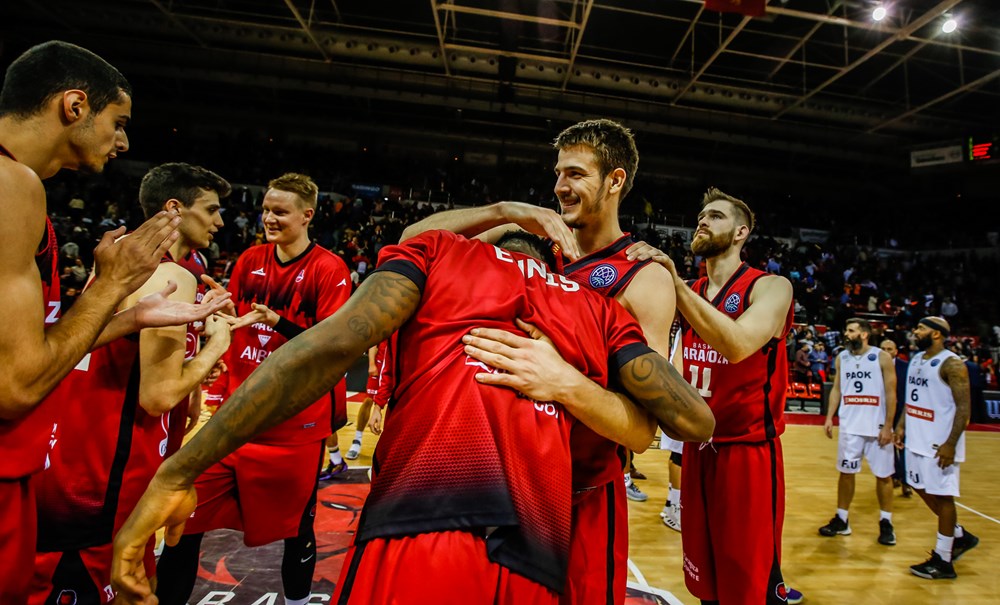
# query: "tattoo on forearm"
(653, 383)
(303, 369)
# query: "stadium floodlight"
(949, 25)
(879, 13)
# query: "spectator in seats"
(803, 368)
(949, 309)
(819, 361)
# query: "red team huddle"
(517, 380)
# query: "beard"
(713, 245)
(924, 343)
(855, 344)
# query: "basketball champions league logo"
(733, 303)
(603, 276)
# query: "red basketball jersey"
(596, 459)
(105, 451)
(24, 441)
(462, 455)
(747, 398)
(176, 419)
(305, 290)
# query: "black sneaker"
(886, 536)
(934, 568)
(836, 526)
(963, 545)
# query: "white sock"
(885, 515)
(296, 601)
(674, 497)
(959, 532)
(335, 457)
(943, 546)
(628, 479)
(358, 435)
(842, 513)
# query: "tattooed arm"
(652, 382)
(289, 380)
(956, 375)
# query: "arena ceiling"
(817, 80)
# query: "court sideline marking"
(972, 510)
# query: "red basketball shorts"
(440, 567)
(598, 548)
(261, 490)
(18, 523)
(733, 505)
(78, 577)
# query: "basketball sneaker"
(672, 518)
(332, 470)
(793, 597)
(963, 545)
(836, 526)
(355, 451)
(934, 568)
(632, 492)
(886, 535)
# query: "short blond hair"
(715, 194)
(299, 184)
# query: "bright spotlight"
(949, 26)
(879, 13)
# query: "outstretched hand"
(162, 505)
(531, 365)
(157, 310)
(259, 314)
(216, 290)
(544, 222)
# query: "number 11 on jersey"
(706, 380)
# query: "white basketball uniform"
(930, 415)
(862, 414)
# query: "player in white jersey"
(937, 412)
(864, 390)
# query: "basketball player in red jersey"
(735, 322)
(487, 508)
(114, 431)
(61, 107)
(267, 488)
(595, 169)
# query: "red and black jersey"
(460, 455)
(596, 459)
(194, 262)
(304, 290)
(103, 454)
(24, 441)
(747, 398)
(176, 419)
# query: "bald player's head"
(889, 346)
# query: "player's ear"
(309, 212)
(173, 206)
(73, 105)
(618, 177)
